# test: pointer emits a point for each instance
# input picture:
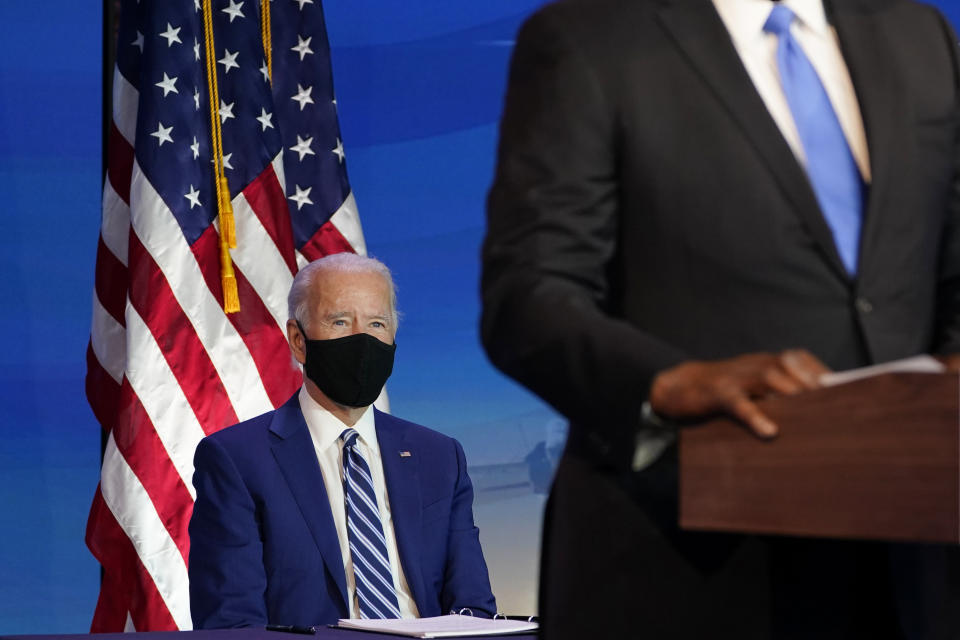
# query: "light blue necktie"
(373, 578)
(831, 167)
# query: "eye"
(340, 323)
(376, 324)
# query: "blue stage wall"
(419, 87)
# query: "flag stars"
(226, 111)
(162, 134)
(264, 119)
(303, 147)
(265, 72)
(303, 2)
(303, 96)
(303, 47)
(234, 10)
(195, 147)
(193, 196)
(172, 35)
(338, 150)
(196, 99)
(196, 49)
(196, 5)
(226, 161)
(301, 197)
(229, 61)
(167, 84)
(138, 42)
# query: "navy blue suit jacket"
(263, 547)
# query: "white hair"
(298, 300)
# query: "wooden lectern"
(878, 458)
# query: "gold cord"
(265, 35)
(228, 236)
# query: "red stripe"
(120, 158)
(268, 202)
(141, 447)
(111, 282)
(103, 392)
(109, 544)
(152, 297)
(325, 241)
(256, 326)
(127, 585)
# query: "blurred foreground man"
(698, 203)
(327, 508)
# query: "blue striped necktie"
(831, 166)
(373, 578)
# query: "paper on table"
(450, 626)
(916, 364)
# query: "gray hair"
(298, 306)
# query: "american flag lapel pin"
(404, 454)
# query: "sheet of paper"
(450, 626)
(916, 364)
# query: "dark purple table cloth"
(241, 634)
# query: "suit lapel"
(401, 474)
(867, 56)
(700, 34)
(295, 454)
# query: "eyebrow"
(347, 314)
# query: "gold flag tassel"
(265, 35)
(228, 235)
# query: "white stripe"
(125, 99)
(115, 225)
(365, 496)
(281, 176)
(370, 606)
(135, 513)
(346, 219)
(302, 260)
(366, 542)
(381, 578)
(162, 398)
(380, 595)
(159, 232)
(359, 514)
(258, 258)
(107, 340)
(364, 475)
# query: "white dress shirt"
(325, 430)
(744, 20)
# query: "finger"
(745, 410)
(779, 380)
(804, 367)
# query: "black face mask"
(351, 370)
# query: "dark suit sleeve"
(948, 299)
(466, 582)
(552, 239)
(227, 579)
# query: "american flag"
(166, 364)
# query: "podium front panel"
(873, 459)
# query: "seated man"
(327, 508)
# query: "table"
(240, 634)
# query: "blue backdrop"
(419, 85)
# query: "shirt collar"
(325, 428)
(745, 18)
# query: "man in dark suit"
(660, 246)
(327, 508)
